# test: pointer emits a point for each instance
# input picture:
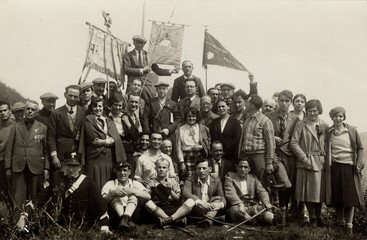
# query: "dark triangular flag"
(215, 54)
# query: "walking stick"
(241, 223)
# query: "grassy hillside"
(9, 94)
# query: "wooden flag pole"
(206, 66)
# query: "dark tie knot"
(71, 111)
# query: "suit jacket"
(178, 89)
(27, 148)
(183, 108)
(256, 191)
(131, 136)
(44, 116)
(155, 119)
(91, 130)
(230, 137)
(208, 119)
(59, 136)
(192, 189)
(225, 167)
(357, 147)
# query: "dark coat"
(178, 89)
(156, 119)
(90, 130)
(226, 167)
(183, 108)
(59, 135)
(44, 116)
(27, 148)
(230, 137)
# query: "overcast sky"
(318, 48)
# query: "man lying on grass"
(75, 198)
(123, 195)
(167, 203)
(244, 193)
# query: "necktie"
(281, 126)
(318, 131)
(139, 59)
(101, 122)
(71, 110)
(136, 121)
(187, 103)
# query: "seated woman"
(193, 141)
(345, 154)
(100, 144)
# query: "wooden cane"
(241, 223)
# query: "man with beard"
(123, 195)
(49, 103)
(206, 114)
(145, 167)
(76, 197)
(64, 129)
(6, 121)
(25, 156)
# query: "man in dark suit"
(49, 103)
(206, 114)
(220, 166)
(161, 114)
(206, 191)
(136, 65)
(25, 156)
(191, 99)
(178, 90)
(64, 129)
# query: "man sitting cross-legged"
(206, 191)
(167, 203)
(244, 193)
(123, 195)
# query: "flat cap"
(86, 85)
(48, 95)
(123, 164)
(72, 158)
(140, 38)
(229, 85)
(99, 80)
(18, 106)
(161, 83)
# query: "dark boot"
(164, 221)
(182, 222)
(124, 223)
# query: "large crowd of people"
(223, 155)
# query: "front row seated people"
(246, 195)
(167, 203)
(123, 195)
(77, 195)
(206, 191)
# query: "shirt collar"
(187, 77)
(202, 183)
(128, 184)
(69, 107)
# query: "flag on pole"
(165, 43)
(105, 54)
(215, 54)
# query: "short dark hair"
(94, 102)
(299, 95)
(210, 89)
(115, 97)
(201, 160)
(287, 93)
(3, 102)
(150, 136)
(240, 93)
(225, 101)
(76, 87)
(314, 103)
(191, 79)
(133, 94)
(256, 101)
(195, 111)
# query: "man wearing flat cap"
(99, 86)
(161, 114)
(123, 195)
(77, 195)
(18, 111)
(136, 65)
(49, 103)
(86, 94)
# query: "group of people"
(221, 155)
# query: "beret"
(99, 80)
(161, 83)
(86, 85)
(228, 84)
(18, 106)
(140, 38)
(48, 95)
